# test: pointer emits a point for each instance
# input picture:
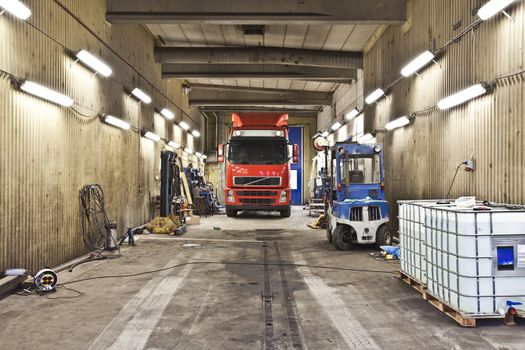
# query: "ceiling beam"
(259, 55)
(215, 95)
(257, 71)
(292, 112)
(257, 11)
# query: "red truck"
(257, 159)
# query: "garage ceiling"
(337, 37)
(291, 47)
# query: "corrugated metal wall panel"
(48, 152)
(421, 158)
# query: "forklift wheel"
(342, 237)
(231, 213)
(329, 236)
(286, 213)
(384, 237)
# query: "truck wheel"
(231, 213)
(328, 230)
(342, 237)
(286, 213)
(384, 236)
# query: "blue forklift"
(356, 210)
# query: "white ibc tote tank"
(472, 260)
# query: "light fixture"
(374, 96)
(493, 7)
(46, 94)
(188, 150)
(352, 114)
(94, 63)
(173, 145)
(399, 122)
(462, 96)
(184, 125)
(196, 133)
(417, 63)
(365, 138)
(198, 154)
(119, 123)
(325, 133)
(167, 113)
(141, 95)
(336, 126)
(16, 8)
(151, 136)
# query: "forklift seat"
(356, 177)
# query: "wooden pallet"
(462, 319)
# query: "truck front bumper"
(257, 207)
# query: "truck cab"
(257, 158)
(358, 212)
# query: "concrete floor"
(227, 306)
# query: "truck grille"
(374, 213)
(257, 193)
(260, 201)
(257, 181)
(356, 214)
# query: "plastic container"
(474, 261)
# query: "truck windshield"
(361, 170)
(258, 151)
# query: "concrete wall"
(421, 158)
(49, 152)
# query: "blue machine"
(358, 212)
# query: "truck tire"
(328, 230)
(231, 213)
(384, 236)
(286, 213)
(342, 236)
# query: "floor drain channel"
(291, 313)
(267, 301)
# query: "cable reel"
(46, 280)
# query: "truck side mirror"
(220, 155)
(295, 158)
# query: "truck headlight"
(231, 197)
(282, 197)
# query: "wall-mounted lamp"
(94, 63)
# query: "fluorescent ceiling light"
(352, 114)
(417, 63)
(141, 95)
(94, 63)
(151, 136)
(173, 144)
(336, 126)
(365, 138)
(188, 150)
(167, 113)
(198, 154)
(16, 8)
(493, 7)
(119, 123)
(184, 125)
(325, 133)
(374, 96)
(462, 96)
(399, 122)
(46, 94)
(196, 133)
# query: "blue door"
(295, 135)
